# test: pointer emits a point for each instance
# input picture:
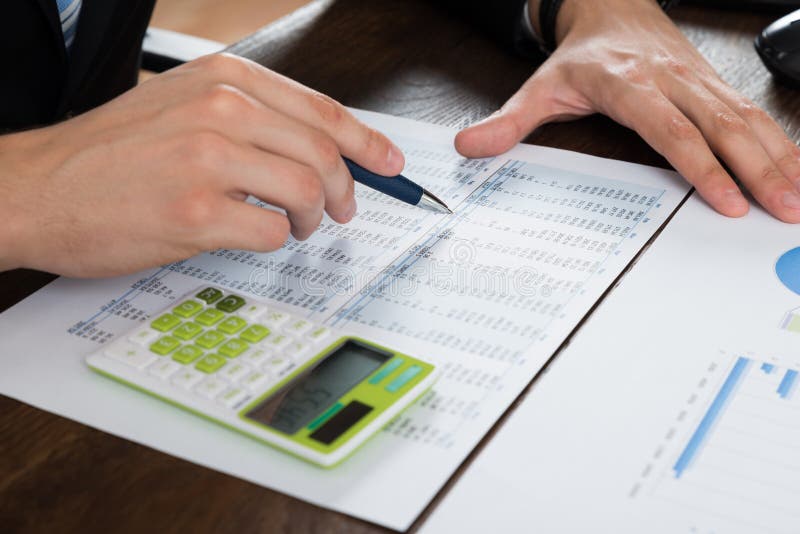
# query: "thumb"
(529, 108)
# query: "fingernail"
(735, 198)
(791, 200)
(352, 210)
(395, 158)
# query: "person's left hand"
(627, 60)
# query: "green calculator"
(296, 385)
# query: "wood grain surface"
(396, 56)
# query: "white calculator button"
(163, 369)
(256, 380)
(210, 388)
(186, 378)
(298, 327)
(234, 371)
(279, 366)
(275, 318)
(233, 397)
(144, 336)
(319, 334)
(131, 354)
(278, 341)
(256, 356)
(296, 350)
(253, 311)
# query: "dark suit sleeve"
(500, 19)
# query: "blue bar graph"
(767, 367)
(786, 384)
(711, 416)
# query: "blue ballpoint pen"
(398, 187)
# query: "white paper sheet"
(487, 294)
(622, 434)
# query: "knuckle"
(224, 101)
(677, 67)
(751, 112)
(788, 161)
(195, 208)
(729, 122)
(632, 72)
(770, 173)
(329, 111)
(713, 175)
(327, 154)
(681, 129)
(221, 63)
(312, 195)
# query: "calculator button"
(256, 380)
(187, 309)
(165, 345)
(163, 369)
(186, 378)
(279, 366)
(210, 388)
(144, 336)
(209, 317)
(231, 303)
(210, 363)
(130, 354)
(252, 311)
(166, 322)
(298, 327)
(233, 397)
(278, 341)
(210, 339)
(187, 354)
(256, 356)
(275, 318)
(210, 295)
(231, 325)
(234, 371)
(233, 347)
(296, 350)
(404, 378)
(187, 331)
(319, 334)
(255, 333)
(388, 369)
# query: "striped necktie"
(69, 11)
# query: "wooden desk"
(397, 56)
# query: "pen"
(398, 187)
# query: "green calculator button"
(187, 331)
(233, 347)
(210, 363)
(166, 322)
(231, 325)
(165, 345)
(187, 354)
(209, 317)
(255, 333)
(388, 369)
(404, 378)
(187, 309)
(210, 339)
(231, 303)
(210, 295)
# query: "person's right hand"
(161, 173)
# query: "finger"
(735, 142)
(243, 119)
(280, 181)
(248, 227)
(525, 111)
(782, 150)
(671, 134)
(357, 141)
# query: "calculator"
(282, 379)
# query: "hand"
(627, 60)
(161, 173)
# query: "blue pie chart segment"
(788, 269)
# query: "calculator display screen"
(313, 392)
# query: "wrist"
(17, 201)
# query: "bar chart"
(737, 449)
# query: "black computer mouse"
(779, 48)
